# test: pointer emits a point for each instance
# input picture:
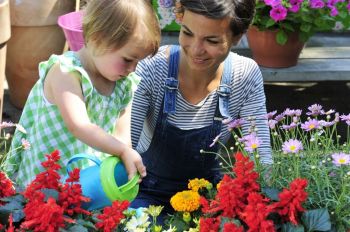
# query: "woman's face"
(205, 41)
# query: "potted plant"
(5, 34)
(35, 36)
(287, 25)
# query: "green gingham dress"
(45, 128)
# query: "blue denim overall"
(173, 157)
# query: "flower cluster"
(308, 146)
(47, 204)
(166, 12)
(303, 16)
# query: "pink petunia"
(272, 3)
(278, 13)
(317, 4)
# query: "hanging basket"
(268, 53)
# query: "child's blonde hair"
(109, 24)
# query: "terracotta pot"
(268, 53)
(5, 34)
(35, 36)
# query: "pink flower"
(278, 13)
(317, 4)
(341, 159)
(272, 3)
(310, 125)
(251, 142)
(315, 109)
(292, 146)
(25, 144)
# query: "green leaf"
(85, 223)
(17, 197)
(17, 215)
(13, 205)
(50, 193)
(77, 228)
(281, 37)
(317, 220)
(271, 193)
(305, 27)
(289, 227)
(270, 22)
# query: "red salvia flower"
(70, 197)
(43, 216)
(231, 197)
(6, 186)
(11, 228)
(256, 212)
(232, 227)
(111, 216)
(49, 179)
(291, 201)
(209, 224)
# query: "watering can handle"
(80, 156)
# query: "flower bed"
(307, 188)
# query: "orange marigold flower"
(185, 201)
(196, 184)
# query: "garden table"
(326, 57)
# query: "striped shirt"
(247, 98)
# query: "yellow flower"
(196, 184)
(185, 201)
(218, 185)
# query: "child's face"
(118, 64)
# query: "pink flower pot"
(71, 24)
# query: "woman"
(185, 93)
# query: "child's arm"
(122, 126)
(64, 90)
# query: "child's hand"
(133, 163)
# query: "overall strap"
(224, 89)
(171, 82)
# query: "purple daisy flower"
(166, 3)
(341, 159)
(237, 123)
(326, 123)
(215, 140)
(270, 115)
(251, 142)
(315, 110)
(310, 125)
(279, 117)
(292, 146)
(290, 126)
(272, 124)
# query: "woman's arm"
(254, 105)
(142, 100)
